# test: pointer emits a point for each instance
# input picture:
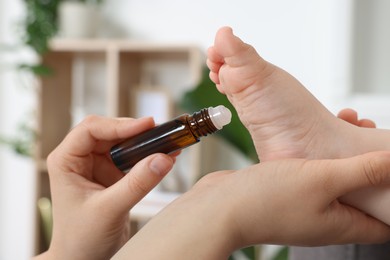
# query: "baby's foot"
(283, 118)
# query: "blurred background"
(62, 60)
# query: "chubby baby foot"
(283, 118)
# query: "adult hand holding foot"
(285, 120)
(289, 202)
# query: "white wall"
(372, 41)
(2, 221)
(296, 35)
(16, 172)
(313, 40)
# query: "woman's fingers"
(140, 180)
(90, 136)
(341, 176)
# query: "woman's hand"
(297, 202)
(289, 202)
(91, 197)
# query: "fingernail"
(161, 165)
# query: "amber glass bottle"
(171, 136)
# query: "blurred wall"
(310, 39)
(371, 44)
(2, 24)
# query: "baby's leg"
(283, 118)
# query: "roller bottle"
(171, 136)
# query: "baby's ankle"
(346, 140)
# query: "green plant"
(40, 25)
(282, 254)
(22, 142)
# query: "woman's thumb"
(140, 180)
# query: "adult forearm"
(181, 232)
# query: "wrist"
(193, 222)
(207, 225)
(218, 210)
(354, 140)
(347, 141)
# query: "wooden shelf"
(80, 45)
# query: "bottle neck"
(201, 124)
